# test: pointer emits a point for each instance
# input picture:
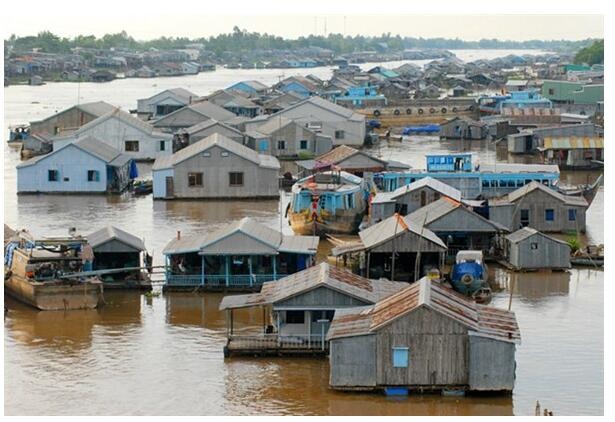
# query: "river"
(163, 355)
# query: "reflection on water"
(163, 355)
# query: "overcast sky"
(291, 19)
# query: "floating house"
(529, 140)
(123, 132)
(240, 255)
(283, 137)
(191, 135)
(71, 119)
(191, 115)
(235, 103)
(216, 168)
(115, 248)
(541, 208)
(343, 125)
(473, 180)
(463, 128)
(85, 166)
(529, 249)
(572, 92)
(345, 158)
(423, 338)
(298, 309)
(249, 87)
(164, 102)
(409, 198)
(457, 225)
(573, 153)
(396, 249)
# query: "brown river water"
(163, 355)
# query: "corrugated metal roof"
(392, 227)
(108, 233)
(266, 161)
(299, 244)
(207, 124)
(532, 186)
(526, 232)
(569, 142)
(430, 182)
(337, 279)
(124, 117)
(98, 108)
(518, 168)
(206, 109)
(443, 206)
(481, 320)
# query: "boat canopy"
(469, 256)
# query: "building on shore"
(216, 168)
(239, 256)
(298, 309)
(541, 208)
(85, 166)
(423, 338)
(529, 249)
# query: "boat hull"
(343, 223)
(55, 296)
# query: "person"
(87, 257)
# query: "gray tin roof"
(430, 182)
(392, 227)
(108, 233)
(527, 232)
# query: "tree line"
(240, 40)
(593, 54)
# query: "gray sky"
(154, 18)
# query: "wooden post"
(275, 277)
(231, 321)
(264, 324)
(250, 268)
(202, 270)
(368, 256)
(226, 274)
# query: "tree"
(593, 54)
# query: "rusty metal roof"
(570, 142)
(340, 280)
(532, 186)
(393, 226)
(481, 320)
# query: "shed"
(164, 102)
(191, 115)
(425, 337)
(528, 249)
(463, 128)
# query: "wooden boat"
(35, 273)
(17, 133)
(469, 275)
(332, 202)
(142, 187)
(588, 191)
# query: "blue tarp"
(134, 172)
(421, 129)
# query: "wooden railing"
(275, 341)
(220, 280)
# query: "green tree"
(593, 54)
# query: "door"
(525, 218)
(169, 185)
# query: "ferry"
(35, 273)
(469, 275)
(332, 202)
(18, 133)
(474, 181)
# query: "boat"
(332, 202)
(469, 275)
(474, 181)
(18, 133)
(424, 129)
(142, 187)
(587, 191)
(41, 273)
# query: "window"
(195, 179)
(549, 214)
(131, 146)
(295, 317)
(510, 183)
(533, 245)
(235, 178)
(223, 153)
(303, 144)
(551, 91)
(162, 145)
(93, 176)
(207, 154)
(339, 134)
(400, 357)
(52, 175)
(328, 315)
(572, 214)
(281, 144)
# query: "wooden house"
(115, 248)
(298, 309)
(463, 128)
(457, 225)
(191, 115)
(123, 132)
(396, 249)
(573, 153)
(241, 255)
(189, 136)
(541, 208)
(528, 249)
(164, 102)
(409, 198)
(348, 159)
(85, 166)
(216, 168)
(423, 338)
(71, 119)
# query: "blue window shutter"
(572, 214)
(549, 214)
(400, 357)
